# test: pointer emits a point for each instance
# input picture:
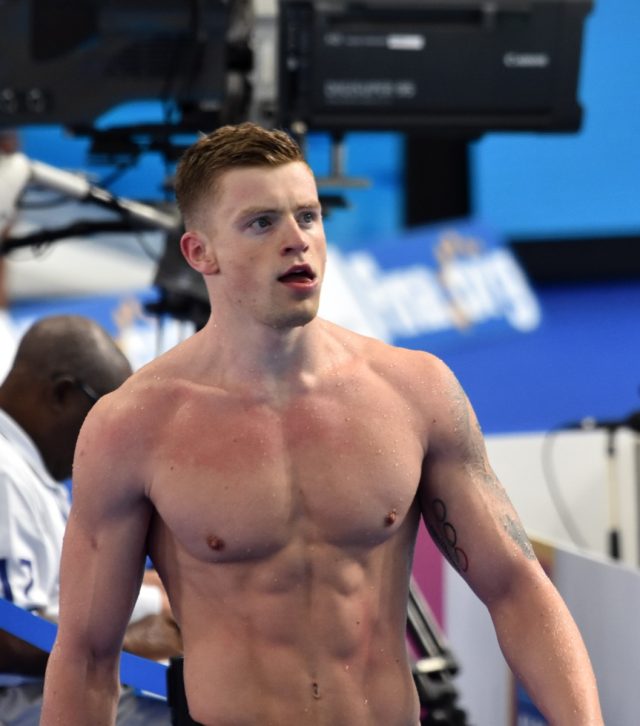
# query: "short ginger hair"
(228, 147)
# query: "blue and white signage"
(432, 288)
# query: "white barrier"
(603, 597)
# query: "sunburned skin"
(299, 546)
(287, 568)
(283, 527)
(276, 468)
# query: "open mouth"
(298, 273)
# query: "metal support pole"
(615, 544)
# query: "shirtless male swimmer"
(275, 467)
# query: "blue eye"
(309, 217)
(261, 223)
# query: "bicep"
(103, 552)
(465, 507)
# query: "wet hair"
(228, 147)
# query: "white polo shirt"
(33, 513)
(34, 509)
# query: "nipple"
(215, 543)
(390, 518)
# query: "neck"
(267, 359)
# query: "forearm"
(544, 649)
(18, 656)
(80, 690)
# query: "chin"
(293, 319)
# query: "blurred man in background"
(63, 365)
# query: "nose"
(294, 239)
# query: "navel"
(315, 689)
(390, 518)
(215, 543)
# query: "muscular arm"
(101, 570)
(471, 519)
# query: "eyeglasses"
(87, 390)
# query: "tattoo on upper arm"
(470, 451)
(472, 439)
(492, 483)
(468, 432)
(445, 536)
(516, 531)
(460, 407)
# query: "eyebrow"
(249, 212)
(256, 211)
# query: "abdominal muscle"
(310, 635)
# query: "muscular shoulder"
(433, 397)
(125, 426)
(416, 373)
(428, 387)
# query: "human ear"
(198, 253)
(60, 392)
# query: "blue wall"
(585, 183)
(583, 361)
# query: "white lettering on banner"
(491, 286)
(418, 300)
(520, 305)
(407, 301)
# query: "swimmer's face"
(266, 245)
